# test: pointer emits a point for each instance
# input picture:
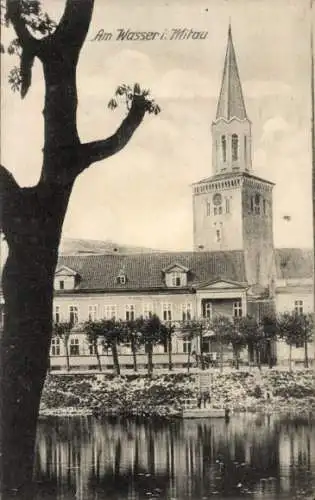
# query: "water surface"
(254, 457)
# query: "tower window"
(252, 204)
(257, 204)
(217, 152)
(223, 146)
(218, 235)
(264, 206)
(208, 208)
(217, 202)
(227, 205)
(234, 147)
(245, 147)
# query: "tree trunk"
(290, 357)
(188, 360)
(236, 357)
(134, 355)
(202, 361)
(115, 357)
(98, 358)
(257, 350)
(270, 364)
(169, 351)
(32, 219)
(66, 344)
(25, 343)
(221, 356)
(150, 358)
(250, 354)
(305, 354)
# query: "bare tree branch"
(74, 24)
(99, 150)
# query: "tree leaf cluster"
(127, 95)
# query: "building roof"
(231, 101)
(145, 271)
(294, 263)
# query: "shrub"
(257, 392)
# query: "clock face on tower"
(217, 199)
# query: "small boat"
(206, 413)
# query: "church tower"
(232, 209)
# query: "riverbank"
(163, 395)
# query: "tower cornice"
(230, 120)
(230, 180)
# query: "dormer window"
(176, 279)
(65, 278)
(121, 279)
(176, 275)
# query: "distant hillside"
(75, 246)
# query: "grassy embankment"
(163, 395)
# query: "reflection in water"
(257, 457)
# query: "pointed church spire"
(231, 102)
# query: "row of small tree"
(238, 333)
(110, 333)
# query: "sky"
(143, 195)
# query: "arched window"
(208, 205)
(223, 146)
(257, 203)
(264, 206)
(234, 147)
(252, 204)
(245, 147)
(217, 204)
(227, 205)
(217, 154)
(218, 235)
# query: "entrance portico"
(221, 297)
